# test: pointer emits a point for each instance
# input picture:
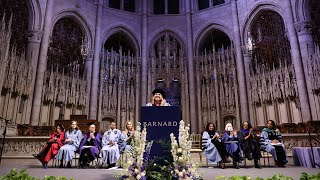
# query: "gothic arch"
(126, 31)
(155, 37)
(200, 36)
(35, 14)
(79, 19)
(254, 14)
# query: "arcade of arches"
(221, 61)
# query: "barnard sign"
(160, 122)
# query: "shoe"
(236, 166)
(257, 164)
(221, 165)
(111, 166)
(45, 166)
(35, 155)
(69, 165)
(61, 165)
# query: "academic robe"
(66, 152)
(233, 148)
(95, 143)
(110, 153)
(51, 148)
(125, 144)
(209, 149)
(278, 151)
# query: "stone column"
(166, 6)
(41, 66)
(32, 54)
(144, 58)
(94, 94)
(89, 75)
(247, 62)
(240, 65)
(307, 47)
(298, 65)
(191, 75)
(122, 4)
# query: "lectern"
(160, 122)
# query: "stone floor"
(35, 169)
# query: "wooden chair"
(196, 145)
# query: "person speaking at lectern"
(158, 98)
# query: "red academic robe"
(51, 148)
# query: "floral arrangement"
(183, 167)
(138, 157)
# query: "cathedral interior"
(221, 61)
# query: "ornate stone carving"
(217, 81)
(34, 36)
(23, 146)
(303, 28)
(118, 77)
(313, 66)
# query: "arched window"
(114, 4)
(271, 44)
(166, 6)
(126, 5)
(315, 17)
(203, 4)
(214, 38)
(173, 6)
(65, 46)
(158, 6)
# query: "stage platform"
(36, 170)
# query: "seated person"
(127, 137)
(250, 144)
(110, 151)
(158, 98)
(271, 140)
(52, 147)
(231, 141)
(213, 148)
(72, 141)
(90, 146)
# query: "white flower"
(136, 171)
(143, 173)
(180, 159)
(181, 174)
(179, 150)
(176, 171)
(138, 176)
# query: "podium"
(160, 122)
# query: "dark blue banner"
(160, 122)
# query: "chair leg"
(245, 163)
(268, 160)
(264, 159)
(200, 158)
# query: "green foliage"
(14, 175)
(308, 176)
(157, 171)
(23, 175)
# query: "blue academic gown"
(209, 149)
(66, 152)
(110, 153)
